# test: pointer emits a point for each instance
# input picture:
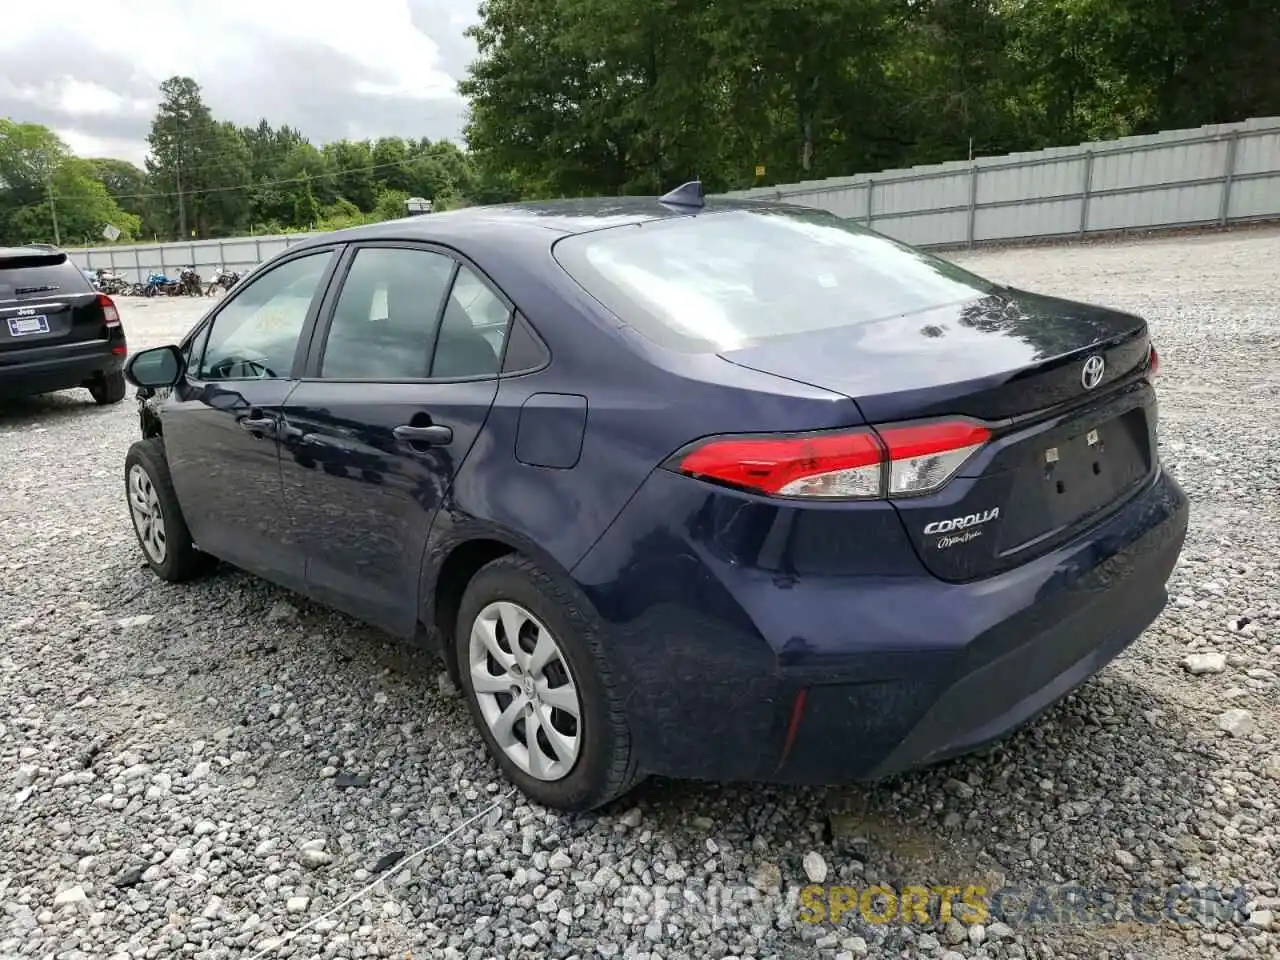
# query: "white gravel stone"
(815, 868)
(1238, 723)
(71, 897)
(1199, 663)
(313, 859)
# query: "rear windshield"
(33, 275)
(719, 281)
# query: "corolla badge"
(1091, 374)
(962, 523)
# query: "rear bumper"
(839, 679)
(47, 370)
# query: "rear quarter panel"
(642, 404)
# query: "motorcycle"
(110, 283)
(189, 282)
(224, 279)
(159, 283)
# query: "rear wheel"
(157, 519)
(539, 688)
(109, 388)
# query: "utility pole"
(53, 210)
(182, 207)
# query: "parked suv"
(56, 331)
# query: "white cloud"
(330, 67)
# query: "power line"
(237, 186)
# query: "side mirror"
(157, 367)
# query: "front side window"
(384, 323)
(724, 280)
(195, 347)
(254, 336)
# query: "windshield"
(37, 275)
(720, 281)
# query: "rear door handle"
(435, 435)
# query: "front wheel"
(157, 519)
(539, 688)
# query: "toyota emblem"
(1091, 375)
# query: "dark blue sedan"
(707, 490)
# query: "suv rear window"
(37, 274)
(724, 280)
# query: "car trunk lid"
(1061, 386)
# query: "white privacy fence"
(139, 261)
(1219, 174)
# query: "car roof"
(30, 250)
(538, 223)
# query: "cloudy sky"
(333, 68)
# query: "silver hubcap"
(525, 690)
(148, 519)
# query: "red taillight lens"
(817, 465)
(854, 464)
(110, 313)
(1153, 361)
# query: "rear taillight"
(1153, 361)
(110, 313)
(922, 458)
(865, 463)
(816, 465)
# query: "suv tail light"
(110, 313)
(864, 463)
(1153, 361)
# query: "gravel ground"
(199, 771)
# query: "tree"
(181, 135)
(130, 187)
(41, 180)
(306, 211)
(353, 179)
(221, 205)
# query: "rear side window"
(720, 281)
(35, 275)
(384, 322)
(473, 330)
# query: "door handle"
(435, 435)
(257, 424)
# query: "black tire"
(108, 389)
(605, 767)
(181, 560)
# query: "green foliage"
(390, 205)
(211, 178)
(35, 166)
(632, 96)
(580, 97)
